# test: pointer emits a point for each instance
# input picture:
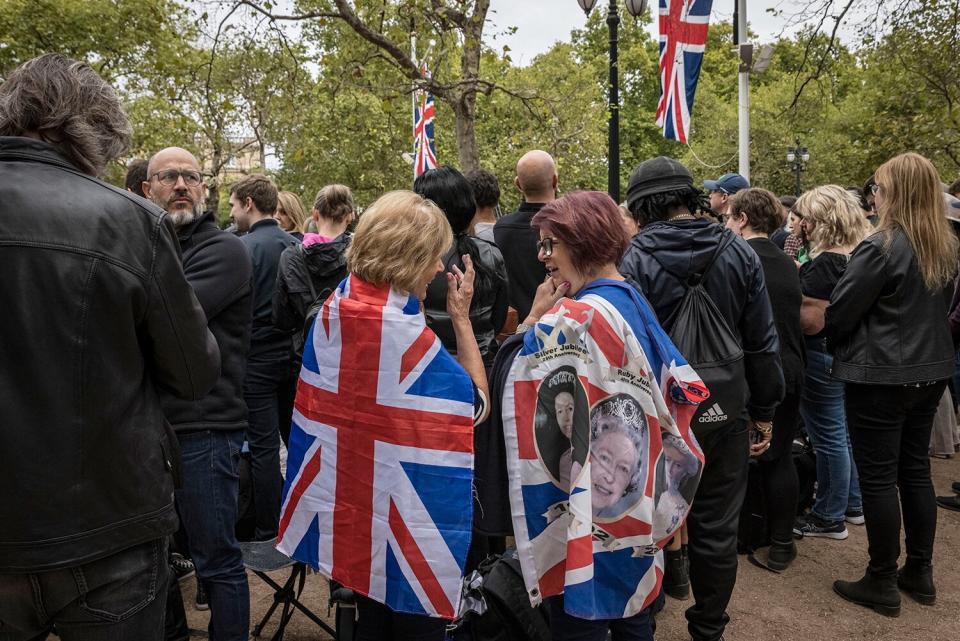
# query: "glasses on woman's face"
(546, 246)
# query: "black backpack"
(702, 335)
(498, 584)
(319, 297)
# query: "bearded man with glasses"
(210, 431)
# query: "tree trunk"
(465, 110)
(213, 184)
(465, 103)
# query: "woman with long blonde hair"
(887, 325)
(833, 225)
(290, 214)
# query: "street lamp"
(798, 157)
(636, 8)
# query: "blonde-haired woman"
(887, 327)
(834, 226)
(290, 214)
(396, 251)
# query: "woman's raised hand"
(460, 289)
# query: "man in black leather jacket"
(210, 431)
(663, 200)
(97, 318)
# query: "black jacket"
(218, 268)
(518, 243)
(325, 264)
(735, 284)
(488, 310)
(97, 316)
(783, 287)
(265, 242)
(883, 325)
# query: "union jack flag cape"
(424, 148)
(380, 467)
(594, 498)
(683, 38)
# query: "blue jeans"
(269, 391)
(119, 597)
(821, 405)
(207, 504)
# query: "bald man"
(537, 181)
(211, 430)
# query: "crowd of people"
(149, 352)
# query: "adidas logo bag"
(702, 335)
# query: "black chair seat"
(261, 557)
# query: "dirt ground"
(798, 605)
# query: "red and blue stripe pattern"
(683, 39)
(378, 490)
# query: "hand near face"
(548, 293)
(460, 289)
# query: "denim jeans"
(207, 503)
(268, 390)
(119, 597)
(821, 405)
(713, 522)
(639, 627)
(891, 426)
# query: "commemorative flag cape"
(380, 467)
(601, 460)
(683, 39)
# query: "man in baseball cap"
(722, 188)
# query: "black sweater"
(783, 287)
(518, 243)
(218, 269)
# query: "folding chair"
(261, 557)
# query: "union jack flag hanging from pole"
(683, 38)
(424, 148)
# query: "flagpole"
(413, 95)
(740, 11)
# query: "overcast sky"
(540, 23)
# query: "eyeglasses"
(169, 177)
(546, 246)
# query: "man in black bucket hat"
(672, 245)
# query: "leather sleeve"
(855, 294)
(501, 300)
(761, 347)
(184, 354)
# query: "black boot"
(916, 579)
(872, 591)
(676, 579)
(781, 555)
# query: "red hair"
(589, 223)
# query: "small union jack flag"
(424, 148)
(683, 38)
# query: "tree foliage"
(329, 99)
